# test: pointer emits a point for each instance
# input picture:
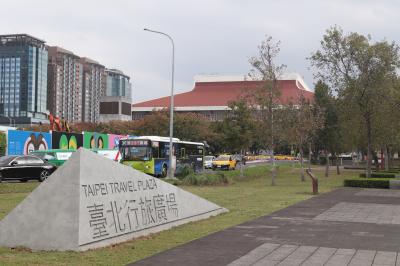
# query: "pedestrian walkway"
(343, 227)
(275, 254)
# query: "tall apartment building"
(116, 103)
(65, 73)
(93, 87)
(23, 79)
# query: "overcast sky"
(211, 36)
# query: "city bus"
(150, 154)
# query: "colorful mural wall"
(94, 140)
(113, 140)
(65, 140)
(23, 142)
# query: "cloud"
(210, 36)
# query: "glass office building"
(117, 84)
(23, 79)
(115, 104)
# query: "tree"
(387, 129)
(302, 120)
(155, 124)
(238, 128)
(191, 126)
(328, 138)
(266, 98)
(358, 69)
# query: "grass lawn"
(246, 198)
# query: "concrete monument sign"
(92, 202)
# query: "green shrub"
(222, 178)
(380, 175)
(386, 172)
(207, 179)
(190, 180)
(367, 182)
(350, 167)
(183, 171)
(175, 182)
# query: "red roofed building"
(211, 95)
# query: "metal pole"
(171, 114)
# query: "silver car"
(208, 161)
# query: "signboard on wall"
(113, 140)
(66, 141)
(94, 140)
(22, 142)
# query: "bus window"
(163, 150)
(155, 152)
(182, 155)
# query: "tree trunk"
(337, 165)
(273, 172)
(294, 155)
(386, 158)
(369, 146)
(327, 163)
(376, 160)
(241, 163)
(314, 180)
(301, 165)
(309, 156)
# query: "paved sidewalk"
(343, 227)
(275, 254)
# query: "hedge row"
(387, 172)
(367, 183)
(205, 179)
(380, 175)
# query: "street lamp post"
(171, 112)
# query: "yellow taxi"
(224, 162)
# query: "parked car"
(208, 160)
(25, 167)
(58, 156)
(225, 162)
(55, 156)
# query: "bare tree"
(266, 97)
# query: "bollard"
(314, 180)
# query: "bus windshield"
(137, 153)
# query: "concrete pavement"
(343, 227)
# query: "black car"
(24, 167)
